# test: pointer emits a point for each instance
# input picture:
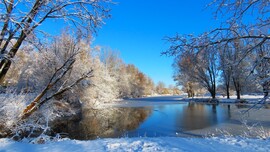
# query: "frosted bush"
(263, 133)
(248, 131)
(37, 127)
(11, 107)
(255, 130)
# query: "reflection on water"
(112, 122)
(162, 120)
(174, 120)
(198, 116)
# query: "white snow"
(169, 144)
(151, 101)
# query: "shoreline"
(150, 101)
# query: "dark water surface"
(177, 119)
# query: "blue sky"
(137, 29)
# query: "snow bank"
(141, 144)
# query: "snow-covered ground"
(169, 144)
(249, 98)
(223, 99)
(165, 100)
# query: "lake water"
(165, 116)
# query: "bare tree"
(261, 67)
(19, 19)
(239, 71)
(182, 78)
(160, 87)
(200, 65)
(56, 77)
(60, 72)
(226, 68)
(237, 27)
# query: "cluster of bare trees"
(20, 21)
(67, 75)
(55, 66)
(162, 89)
(47, 70)
(237, 52)
(60, 74)
(197, 67)
(69, 69)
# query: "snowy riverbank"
(140, 144)
(166, 100)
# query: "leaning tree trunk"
(4, 66)
(56, 77)
(27, 29)
(6, 62)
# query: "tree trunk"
(238, 93)
(4, 66)
(212, 91)
(6, 62)
(33, 105)
(213, 94)
(237, 87)
(228, 92)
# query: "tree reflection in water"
(112, 122)
(197, 116)
(160, 120)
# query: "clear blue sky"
(137, 29)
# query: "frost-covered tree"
(248, 21)
(104, 87)
(242, 20)
(199, 65)
(181, 76)
(20, 64)
(160, 87)
(225, 56)
(56, 74)
(124, 83)
(19, 21)
(233, 70)
(149, 86)
(44, 63)
(53, 80)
